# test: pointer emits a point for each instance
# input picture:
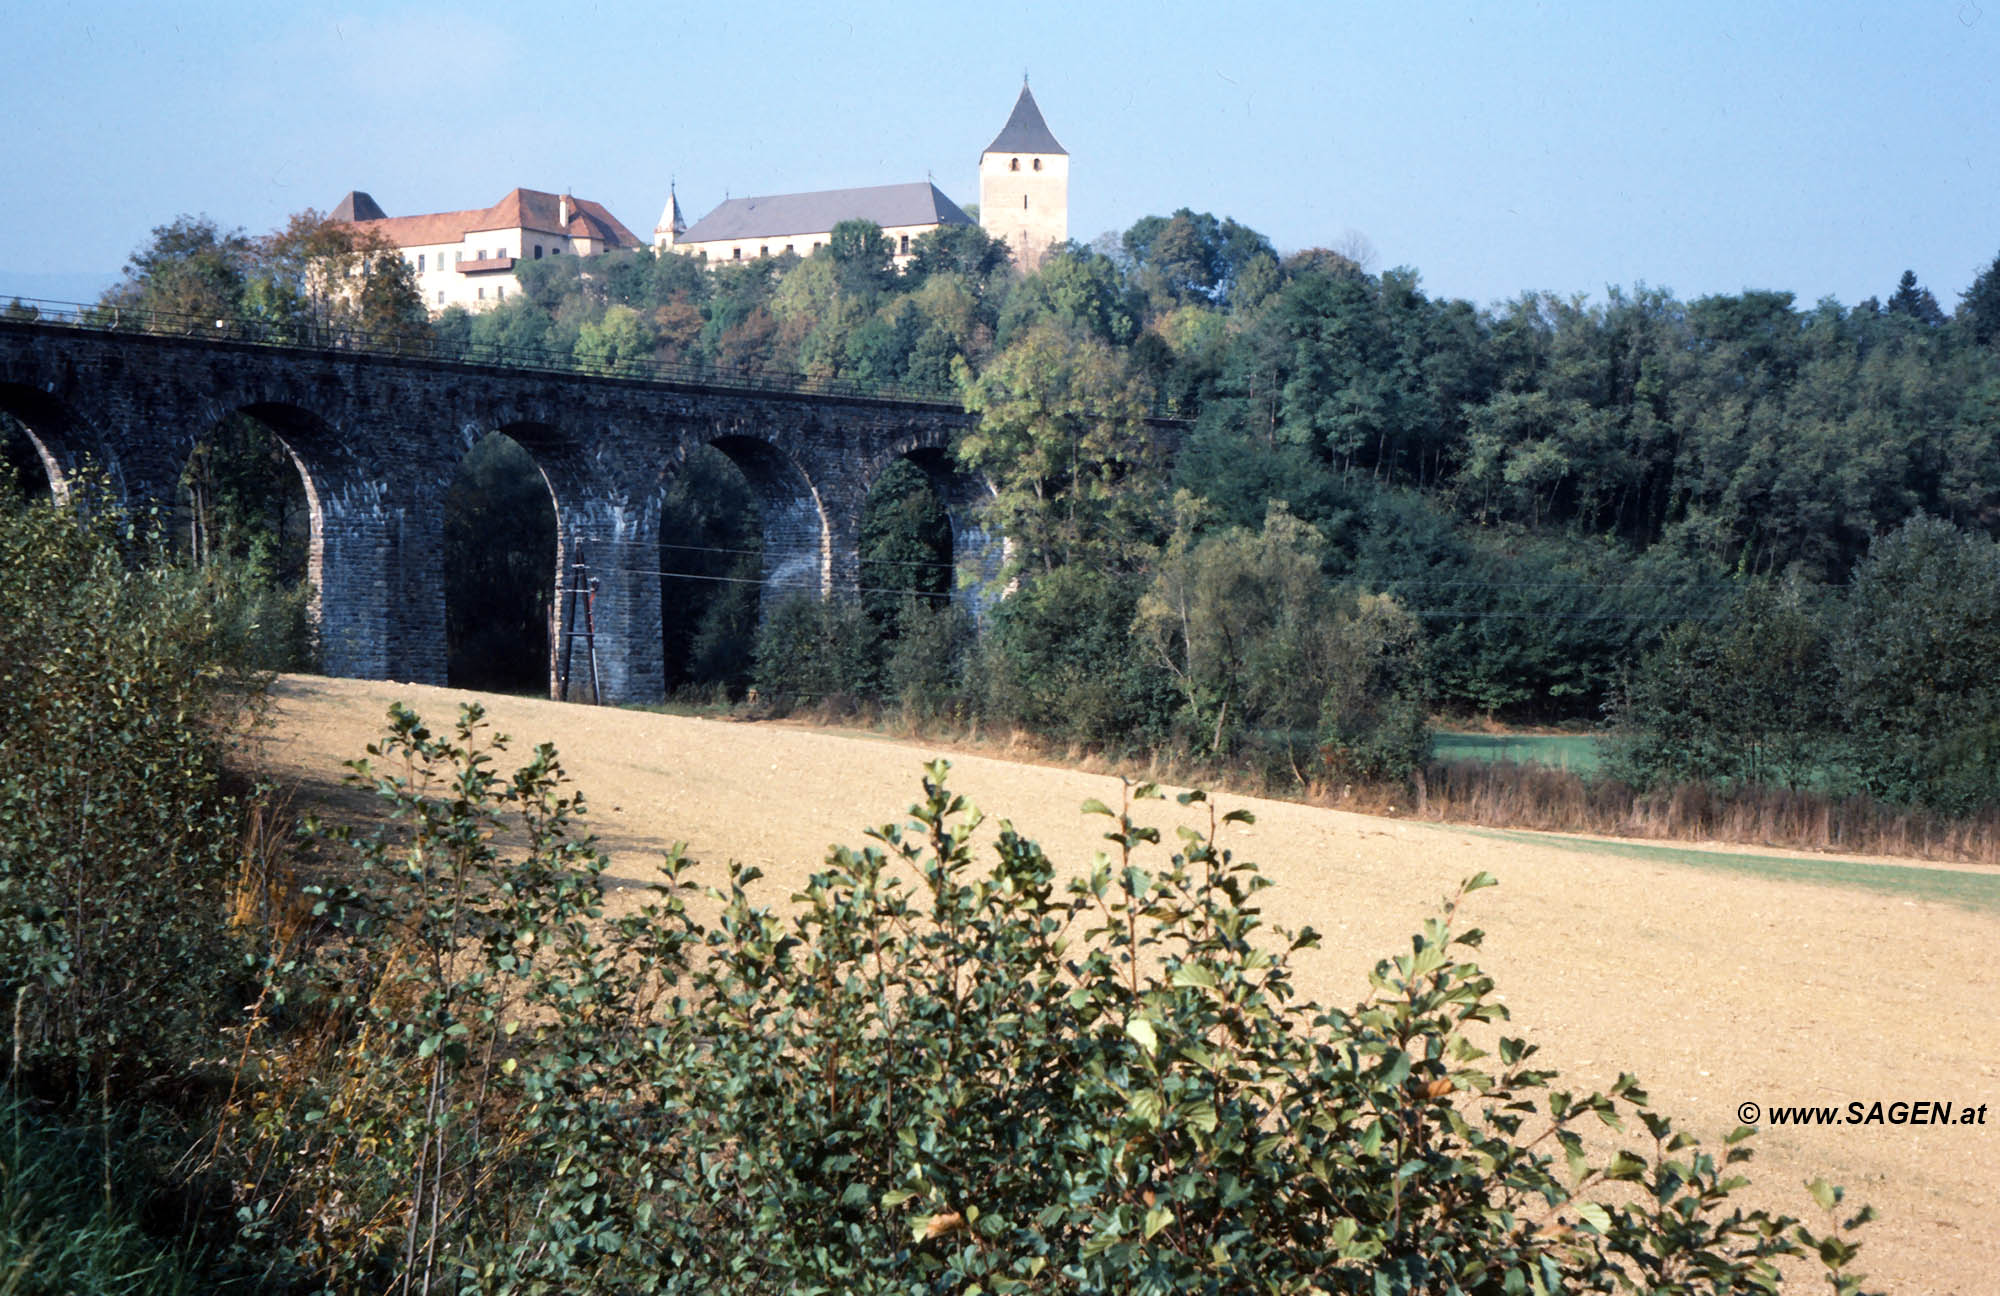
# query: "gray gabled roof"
(814, 213)
(1025, 131)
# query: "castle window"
(440, 296)
(789, 249)
(1024, 202)
(420, 263)
(765, 250)
(1015, 165)
(538, 251)
(482, 292)
(501, 292)
(1038, 164)
(736, 254)
(457, 258)
(906, 245)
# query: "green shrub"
(1061, 659)
(816, 650)
(928, 668)
(117, 840)
(931, 1076)
(1918, 652)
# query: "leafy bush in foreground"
(118, 844)
(932, 1076)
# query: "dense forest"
(1378, 505)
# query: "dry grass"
(1495, 794)
(1506, 795)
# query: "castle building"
(1024, 185)
(467, 258)
(743, 229)
(1023, 201)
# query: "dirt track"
(1715, 988)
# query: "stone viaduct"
(377, 439)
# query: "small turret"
(672, 224)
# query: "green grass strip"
(1578, 753)
(1966, 888)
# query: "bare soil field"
(1716, 986)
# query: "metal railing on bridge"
(312, 335)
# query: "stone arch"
(374, 554)
(978, 551)
(60, 442)
(606, 495)
(799, 550)
(255, 450)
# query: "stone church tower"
(1024, 185)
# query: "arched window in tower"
(1015, 165)
(1038, 164)
(1024, 202)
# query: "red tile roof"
(526, 209)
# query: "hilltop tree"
(192, 268)
(1980, 307)
(1192, 256)
(1914, 301)
(1079, 289)
(965, 250)
(322, 271)
(863, 258)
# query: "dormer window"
(1015, 165)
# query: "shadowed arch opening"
(796, 553)
(711, 572)
(26, 463)
(499, 567)
(242, 496)
(977, 551)
(243, 504)
(40, 441)
(906, 550)
(923, 635)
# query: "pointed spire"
(672, 224)
(1025, 131)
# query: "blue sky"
(1819, 148)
